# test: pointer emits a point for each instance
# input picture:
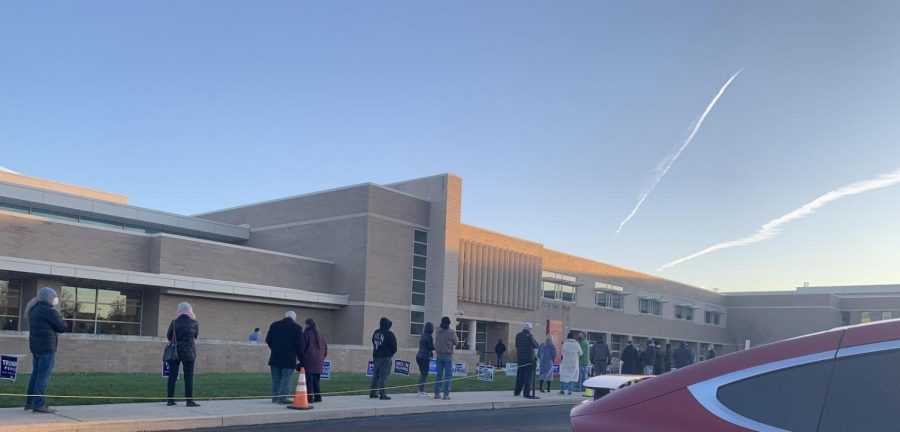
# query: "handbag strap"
(174, 334)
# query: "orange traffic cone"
(300, 402)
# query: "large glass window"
(102, 310)
(609, 300)
(10, 304)
(684, 312)
(887, 315)
(864, 392)
(419, 273)
(790, 399)
(558, 291)
(712, 317)
(650, 306)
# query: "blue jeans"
(566, 386)
(281, 382)
(582, 376)
(41, 368)
(444, 363)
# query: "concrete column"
(473, 332)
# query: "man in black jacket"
(285, 340)
(45, 324)
(630, 359)
(384, 346)
(600, 356)
(683, 356)
(525, 346)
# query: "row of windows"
(684, 312)
(650, 307)
(10, 302)
(419, 273)
(88, 220)
(558, 291)
(101, 310)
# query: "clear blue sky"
(554, 113)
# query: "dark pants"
(41, 368)
(500, 360)
(599, 369)
(188, 379)
(315, 391)
(524, 378)
(382, 366)
(423, 372)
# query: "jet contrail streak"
(666, 163)
(772, 228)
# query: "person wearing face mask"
(45, 324)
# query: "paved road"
(538, 419)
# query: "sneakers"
(437, 396)
(531, 397)
(191, 404)
(373, 395)
(562, 392)
(43, 410)
(446, 397)
(568, 393)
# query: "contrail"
(7, 170)
(666, 163)
(772, 228)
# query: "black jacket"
(683, 356)
(525, 346)
(384, 343)
(667, 360)
(285, 340)
(45, 324)
(185, 330)
(600, 354)
(500, 349)
(648, 357)
(630, 360)
(426, 342)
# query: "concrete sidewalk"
(157, 416)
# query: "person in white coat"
(568, 368)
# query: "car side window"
(789, 399)
(864, 393)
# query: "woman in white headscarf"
(183, 330)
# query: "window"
(712, 317)
(608, 295)
(864, 393)
(417, 293)
(684, 312)
(10, 302)
(102, 310)
(789, 399)
(462, 334)
(886, 315)
(615, 344)
(558, 291)
(650, 306)
(845, 318)
(865, 317)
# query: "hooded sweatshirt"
(444, 341)
(426, 342)
(384, 343)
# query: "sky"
(557, 115)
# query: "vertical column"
(473, 332)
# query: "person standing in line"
(648, 357)
(525, 347)
(315, 349)
(500, 349)
(630, 359)
(584, 360)
(667, 358)
(682, 357)
(384, 346)
(285, 341)
(711, 354)
(183, 330)
(254, 336)
(568, 367)
(658, 362)
(601, 356)
(444, 342)
(423, 356)
(45, 324)
(546, 357)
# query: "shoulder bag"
(171, 352)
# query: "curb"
(200, 422)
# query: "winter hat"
(46, 294)
(529, 326)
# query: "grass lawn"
(211, 385)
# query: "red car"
(845, 379)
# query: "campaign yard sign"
(485, 373)
(401, 367)
(432, 367)
(556, 369)
(511, 369)
(370, 369)
(8, 366)
(460, 369)
(326, 370)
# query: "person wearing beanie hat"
(182, 331)
(45, 324)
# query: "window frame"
(418, 278)
(654, 306)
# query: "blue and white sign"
(8, 366)
(512, 369)
(432, 367)
(401, 367)
(556, 369)
(370, 369)
(165, 369)
(460, 369)
(485, 373)
(326, 370)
